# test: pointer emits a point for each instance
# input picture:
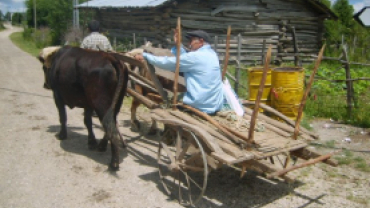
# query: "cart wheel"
(182, 166)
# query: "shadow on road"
(26, 93)
(76, 143)
(225, 189)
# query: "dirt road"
(39, 171)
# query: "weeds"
(330, 144)
(347, 158)
(357, 199)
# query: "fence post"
(134, 40)
(296, 57)
(263, 51)
(115, 43)
(216, 43)
(348, 81)
(237, 69)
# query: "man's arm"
(187, 61)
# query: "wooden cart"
(193, 144)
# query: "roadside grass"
(348, 158)
(357, 199)
(330, 144)
(26, 45)
(2, 27)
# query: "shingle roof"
(154, 3)
(121, 3)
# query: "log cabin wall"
(254, 20)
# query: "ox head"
(45, 57)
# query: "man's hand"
(139, 57)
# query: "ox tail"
(109, 119)
(122, 83)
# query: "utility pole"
(76, 15)
(34, 14)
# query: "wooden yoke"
(259, 96)
(227, 52)
(178, 45)
(304, 98)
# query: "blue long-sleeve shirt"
(201, 73)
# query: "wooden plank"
(307, 154)
(242, 139)
(264, 167)
(309, 162)
(227, 159)
(205, 136)
(226, 144)
(288, 128)
(148, 103)
(249, 8)
(282, 150)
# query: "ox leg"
(112, 134)
(92, 143)
(117, 108)
(153, 128)
(62, 116)
(115, 143)
(102, 147)
(135, 124)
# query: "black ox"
(93, 80)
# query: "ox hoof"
(123, 143)
(102, 148)
(152, 132)
(92, 145)
(61, 136)
(113, 167)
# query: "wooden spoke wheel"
(182, 165)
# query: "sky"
(18, 5)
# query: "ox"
(93, 80)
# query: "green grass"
(357, 199)
(2, 26)
(330, 144)
(26, 45)
(359, 163)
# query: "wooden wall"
(254, 20)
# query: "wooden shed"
(255, 21)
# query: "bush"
(42, 38)
(73, 36)
(27, 33)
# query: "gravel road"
(37, 170)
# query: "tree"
(1, 16)
(326, 2)
(343, 27)
(344, 11)
(8, 16)
(17, 18)
(57, 15)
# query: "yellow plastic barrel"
(254, 80)
(287, 88)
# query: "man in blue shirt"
(201, 70)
